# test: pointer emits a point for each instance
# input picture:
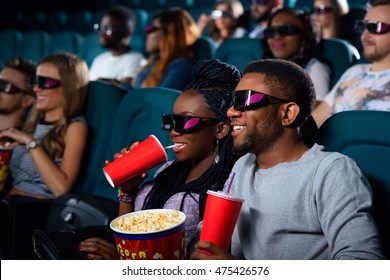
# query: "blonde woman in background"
(48, 151)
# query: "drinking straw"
(170, 147)
(231, 182)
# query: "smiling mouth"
(238, 127)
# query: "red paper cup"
(166, 244)
(5, 158)
(220, 218)
(146, 155)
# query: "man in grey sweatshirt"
(300, 202)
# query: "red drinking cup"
(220, 217)
(146, 155)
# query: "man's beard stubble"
(262, 138)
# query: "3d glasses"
(282, 30)
(373, 27)
(8, 87)
(184, 124)
(44, 82)
(244, 100)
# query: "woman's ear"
(222, 130)
(290, 113)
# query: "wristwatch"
(31, 145)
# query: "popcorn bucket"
(140, 240)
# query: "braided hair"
(214, 80)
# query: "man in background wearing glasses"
(119, 64)
(364, 86)
(260, 13)
(16, 97)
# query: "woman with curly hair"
(292, 35)
(200, 129)
(170, 42)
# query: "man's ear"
(28, 101)
(222, 130)
(290, 113)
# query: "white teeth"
(179, 145)
(238, 127)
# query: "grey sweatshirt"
(318, 207)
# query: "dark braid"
(212, 79)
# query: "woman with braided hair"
(200, 130)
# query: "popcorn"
(148, 221)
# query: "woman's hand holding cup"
(131, 185)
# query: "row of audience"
(290, 35)
(48, 148)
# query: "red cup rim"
(108, 178)
(225, 195)
(181, 215)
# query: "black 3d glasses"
(282, 30)
(244, 100)
(322, 9)
(44, 82)
(184, 124)
(373, 27)
(9, 88)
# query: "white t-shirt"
(320, 75)
(361, 89)
(106, 65)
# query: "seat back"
(56, 21)
(10, 40)
(138, 116)
(91, 47)
(66, 41)
(103, 100)
(365, 137)
(141, 19)
(239, 51)
(306, 5)
(339, 54)
(204, 48)
(196, 11)
(34, 45)
(80, 21)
